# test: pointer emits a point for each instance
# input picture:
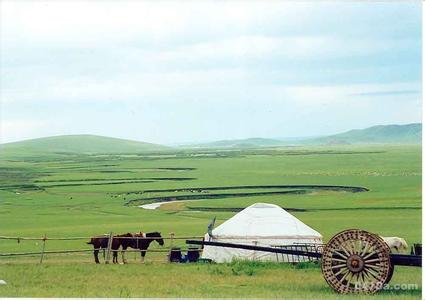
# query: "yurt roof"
(264, 220)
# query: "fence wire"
(171, 248)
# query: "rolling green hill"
(381, 134)
(80, 144)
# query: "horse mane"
(128, 234)
(153, 234)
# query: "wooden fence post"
(108, 252)
(171, 244)
(42, 249)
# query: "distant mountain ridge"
(380, 134)
(81, 144)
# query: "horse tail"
(91, 242)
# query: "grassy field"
(79, 195)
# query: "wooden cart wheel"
(390, 273)
(356, 261)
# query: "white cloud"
(261, 51)
(219, 84)
(84, 23)
(79, 23)
(264, 62)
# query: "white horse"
(396, 244)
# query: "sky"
(193, 71)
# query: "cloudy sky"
(189, 71)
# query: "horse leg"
(96, 258)
(143, 253)
(115, 245)
(115, 259)
(123, 255)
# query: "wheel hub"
(355, 263)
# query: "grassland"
(63, 194)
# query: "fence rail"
(108, 250)
(91, 250)
(98, 236)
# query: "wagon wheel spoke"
(354, 247)
(349, 248)
(373, 251)
(352, 278)
(339, 266)
(366, 276)
(342, 255)
(340, 260)
(358, 278)
(340, 271)
(372, 271)
(345, 275)
(373, 260)
(363, 280)
(367, 246)
(345, 251)
(348, 280)
(362, 245)
(368, 271)
(376, 267)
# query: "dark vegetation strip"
(146, 180)
(113, 179)
(173, 169)
(79, 167)
(91, 170)
(352, 189)
(214, 196)
(238, 209)
(130, 168)
(26, 187)
(110, 171)
(100, 183)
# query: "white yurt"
(260, 224)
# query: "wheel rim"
(356, 261)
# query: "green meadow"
(66, 194)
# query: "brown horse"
(139, 241)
